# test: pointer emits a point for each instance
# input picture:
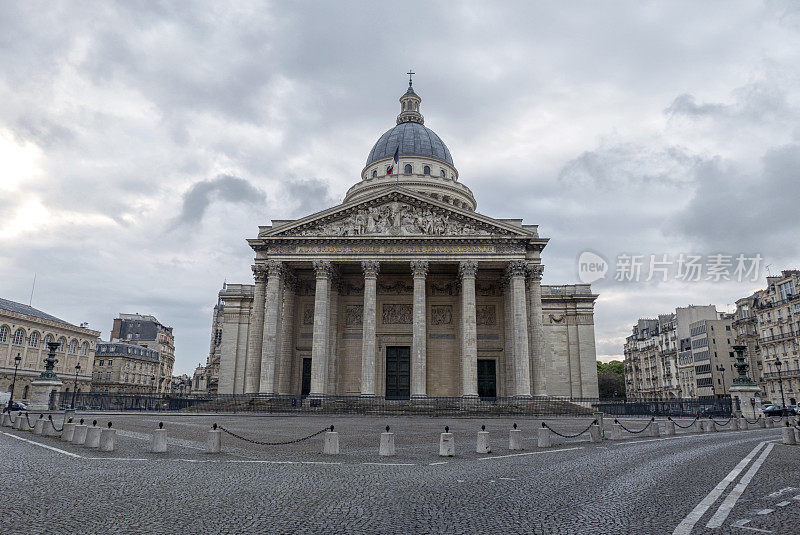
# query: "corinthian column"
(319, 348)
(418, 346)
(368, 345)
(252, 374)
(535, 329)
(469, 333)
(273, 299)
(522, 370)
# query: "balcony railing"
(778, 337)
(783, 373)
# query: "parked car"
(18, 406)
(776, 410)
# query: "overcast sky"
(142, 143)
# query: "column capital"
(535, 271)
(371, 268)
(516, 268)
(274, 268)
(323, 269)
(467, 268)
(260, 272)
(419, 268)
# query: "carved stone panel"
(394, 288)
(308, 315)
(486, 315)
(441, 315)
(444, 288)
(397, 314)
(354, 315)
(487, 288)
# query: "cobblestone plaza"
(635, 485)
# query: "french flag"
(395, 160)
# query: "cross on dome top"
(409, 104)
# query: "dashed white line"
(686, 525)
(741, 524)
(45, 446)
(730, 500)
(780, 492)
(507, 478)
(628, 443)
(436, 464)
(527, 453)
(390, 464)
(765, 511)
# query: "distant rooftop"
(19, 308)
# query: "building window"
(19, 337)
(408, 169)
(4, 334)
(33, 341)
(374, 173)
(73, 347)
(442, 174)
(110, 362)
(426, 170)
(25, 392)
(62, 344)
(84, 348)
(100, 362)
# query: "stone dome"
(413, 139)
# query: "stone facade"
(147, 331)
(25, 331)
(403, 290)
(124, 368)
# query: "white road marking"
(321, 462)
(114, 459)
(527, 453)
(390, 464)
(261, 461)
(741, 524)
(730, 500)
(778, 493)
(628, 443)
(782, 504)
(459, 480)
(686, 525)
(508, 478)
(765, 511)
(435, 464)
(796, 497)
(68, 453)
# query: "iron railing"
(431, 406)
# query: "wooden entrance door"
(398, 372)
(305, 389)
(487, 378)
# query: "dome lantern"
(409, 104)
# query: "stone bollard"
(69, 431)
(697, 426)
(447, 445)
(594, 433)
(797, 434)
(20, 421)
(482, 445)
(788, 435)
(386, 448)
(330, 443)
(107, 438)
(4, 419)
(616, 431)
(49, 428)
(38, 427)
(743, 425)
(515, 439)
(761, 422)
(654, 430)
(544, 438)
(669, 428)
(214, 440)
(769, 422)
(79, 436)
(158, 440)
(93, 436)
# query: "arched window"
(4, 334)
(48, 338)
(84, 348)
(408, 169)
(374, 173)
(73, 346)
(62, 344)
(19, 337)
(33, 341)
(25, 392)
(442, 174)
(426, 170)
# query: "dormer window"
(426, 170)
(374, 173)
(407, 169)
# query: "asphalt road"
(738, 481)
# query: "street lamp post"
(75, 386)
(17, 360)
(778, 365)
(721, 370)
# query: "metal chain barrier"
(634, 432)
(50, 417)
(261, 443)
(29, 421)
(749, 422)
(719, 424)
(683, 426)
(544, 424)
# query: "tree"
(611, 379)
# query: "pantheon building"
(405, 291)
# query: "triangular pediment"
(398, 212)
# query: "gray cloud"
(222, 188)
